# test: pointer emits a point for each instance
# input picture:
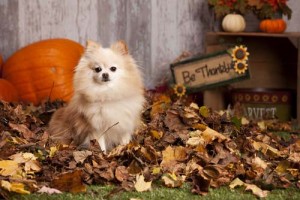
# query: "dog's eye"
(98, 69)
(113, 68)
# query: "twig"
(137, 159)
(109, 128)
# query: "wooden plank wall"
(157, 31)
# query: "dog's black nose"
(105, 77)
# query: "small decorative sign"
(212, 70)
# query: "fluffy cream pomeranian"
(107, 102)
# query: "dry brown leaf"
(211, 172)
(80, 156)
(161, 104)
(200, 184)
(148, 153)
(32, 166)
(173, 121)
(210, 135)
(21, 128)
(121, 173)
(107, 174)
(172, 155)
(294, 157)
(69, 182)
(190, 116)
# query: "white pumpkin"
(233, 23)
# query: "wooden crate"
(273, 63)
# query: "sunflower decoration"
(240, 53)
(240, 59)
(240, 67)
(179, 90)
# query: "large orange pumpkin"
(1, 63)
(7, 91)
(272, 25)
(44, 70)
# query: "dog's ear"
(120, 47)
(90, 44)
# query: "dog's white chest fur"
(114, 121)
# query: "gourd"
(8, 92)
(43, 70)
(233, 23)
(272, 25)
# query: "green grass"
(162, 193)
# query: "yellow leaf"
(204, 111)
(53, 150)
(29, 156)
(14, 187)
(282, 167)
(200, 127)
(18, 140)
(156, 134)
(156, 170)
(172, 181)
(8, 167)
(6, 185)
(262, 125)
(196, 133)
(194, 105)
(174, 153)
(210, 135)
(160, 105)
(257, 162)
(256, 190)
(141, 185)
(265, 149)
(244, 121)
(236, 182)
(194, 141)
(23, 157)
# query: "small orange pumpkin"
(272, 25)
(7, 91)
(44, 70)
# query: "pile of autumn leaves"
(177, 143)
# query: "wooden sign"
(212, 70)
